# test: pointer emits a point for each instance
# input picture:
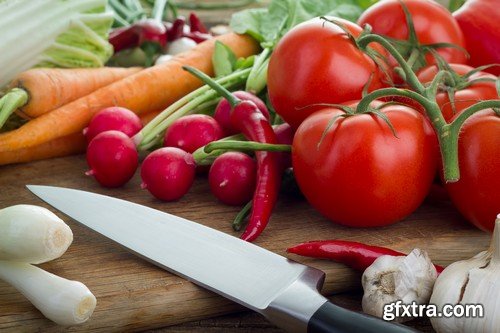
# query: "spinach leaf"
(269, 25)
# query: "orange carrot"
(68, 145)
(50, 88)
(149, 90)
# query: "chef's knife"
(284, 291)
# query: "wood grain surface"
(134, 295)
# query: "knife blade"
(284, 291)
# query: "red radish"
(223, 110)
(284, 136)
(113, 118)
(192, 132)
(168, 173)
(232, 178)
(112, 158)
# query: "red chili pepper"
(198, 37)
(123, 38)
(249, 120)
(353, 254)
(177, 29)
(196, 25)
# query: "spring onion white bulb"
(32, 234)
(63, 301)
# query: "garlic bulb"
(389, 279)
(473, 281)
(32, 234)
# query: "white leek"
(32, 234)
(63, 301)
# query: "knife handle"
(331, 318)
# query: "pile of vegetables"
(363, 106)
(388, 98)
(34, 235)
(390, 277)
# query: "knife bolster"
(293, 308)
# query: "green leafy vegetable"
(53, 33)
(268, 25)
(224, 60)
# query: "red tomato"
(433, 24)
(477, 194)
(463, 98)
(359, 174)
(478, 20)
(315, 62)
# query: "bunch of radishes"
(168, 173)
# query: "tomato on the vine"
(477, 193)
(462, 97)
(465, 91)
(357, 172)
(316, 62)
(432, 22)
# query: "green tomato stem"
(246, 145)
(9, 103)
(457, 124)
(448, 138)
(411, 78)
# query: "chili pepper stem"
(239, 220)
(246, 145)
(203, 158)
(9, 103)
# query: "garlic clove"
(389, 279)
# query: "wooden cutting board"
(134, 295)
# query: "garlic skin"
(389, 279)
(472, 281)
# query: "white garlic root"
(472, 281)
(389, 279)
(63, 301)
(32, 234)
